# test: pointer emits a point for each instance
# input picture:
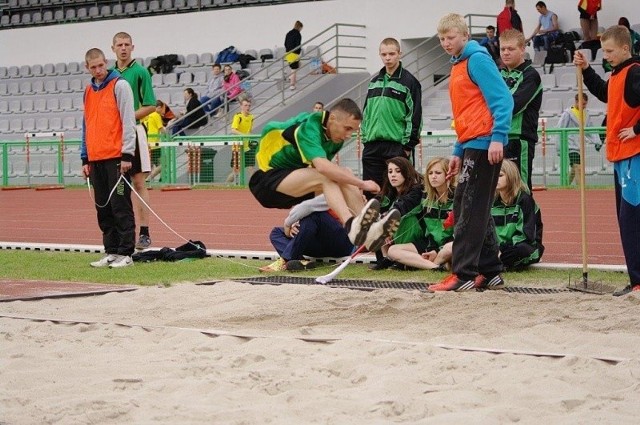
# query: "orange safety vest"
(470, 110)
(102, 123)
(620, 115)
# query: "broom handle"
(583, 200)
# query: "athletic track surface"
(230, 219)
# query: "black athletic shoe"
(358, 227)
(626, 290)
(300, 265)
(383, 264)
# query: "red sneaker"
(453, 283)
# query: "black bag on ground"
(192, 249)
(555, 54)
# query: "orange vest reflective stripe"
(470, 110)
(620, 115)
(102, 123)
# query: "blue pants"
(320, 235)
(627, 184)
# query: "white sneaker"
(104, 261)
(381, 230)
(360, 224)
(121, 261)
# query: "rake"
(329, 277)
(584, 285)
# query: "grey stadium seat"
(27, 105)
(42, 124)
(25, 71)
(15, 106)
(37, 71)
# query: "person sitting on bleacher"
(547, 30)
(214, 89)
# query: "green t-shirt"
(296, 142)
(140, 81)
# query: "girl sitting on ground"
(401, 190)
(423, 241)
(518, 220)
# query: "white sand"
(383, 365)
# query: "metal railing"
(340, 45)
(195, 160)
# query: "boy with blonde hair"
(622, 95)
(482, 108)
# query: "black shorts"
(294, 65)
(574, 158)
(423, 246)
(585, 15)
(263, 185)
(142, 159)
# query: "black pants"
(475, 244)
(522, 152)
(116, 217)
(374, 160)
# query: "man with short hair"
(490, 42)
(294, 161)
(547, 30)
(392, 114)
(525, 85)
(214, 89)
(144, 104)
(107, 151)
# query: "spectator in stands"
(154, 124)
(318, 107)
(144, 103)
(311, 229)
(525, 85)
(518, 220)
(635, 37)
(570, 118)
(490, 42)
(508, 18)
(292, 42)
(242, 124)
(392, 114)
(424, 240)
(214, 89)
(401, 190)
(589, 18)
(294, 160)
(482, 107)
(192, 117)
(547, 30)
(107, 151)
(622, 93)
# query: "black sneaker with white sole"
(358, 227)
(381, 230)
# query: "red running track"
(233, 219)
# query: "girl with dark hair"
(401, 190)
(193, 117)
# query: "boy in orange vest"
(622, 95)
(107, 151)
(482, 107)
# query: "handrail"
(329, 43)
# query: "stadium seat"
(82, 14)
(69, 123)
(4, 126)
(61, 68)
(117, 10)
(66, 104)
(4, 107)
(75, 68)
(42, 124)
(206, 59)
(130, 9)
(37, 17)
(25, 71)
(200, 77)
(49, 69)
(191, 60)
(186, 78)
(53, 104)
(37, 71)
(180, 4)
(40, 105)
(27, 105)
(25, 87)
(38, 86)
(548, 81)
(3, 72)
(26, 18)
(167, 5)
(169, 80)
(29, 124)
(70, 15)
(551, 106)
(47, 16)
(58, 15)
(141, 8)
(567, 81)
(76, 85)
(63, 86)
(15, 20)
(13, 88)
(156, 80)
(94, 12)
(154, 6)
(15, 106)
(5, 21)
(78, 103)
(105, 10)
(15, 125)
(13, 72)
(3, 89)
(55, 123)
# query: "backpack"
(555, 54)
(242, 74)
(228, 55)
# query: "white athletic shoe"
(381, 230)
(360, 224)
(121, 261)
(104, 261)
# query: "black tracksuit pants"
(475, 245)
(116, 218)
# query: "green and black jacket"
(393, 109)
(520, 223)
(525, 86)
(425, 222)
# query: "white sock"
(300, 211)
